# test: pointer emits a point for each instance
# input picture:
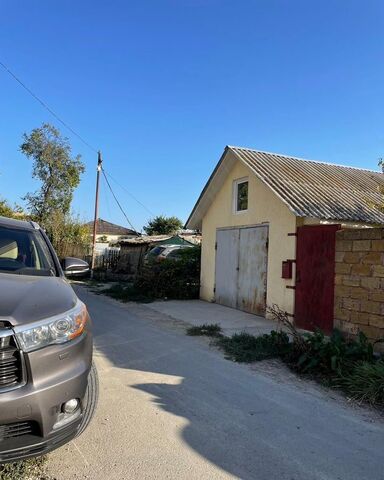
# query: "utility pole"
(99, 167)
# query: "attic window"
(240, 195)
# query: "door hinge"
(216, 246)
(214, 289)
(267, 244)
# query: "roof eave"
(190, 223)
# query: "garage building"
(268, 223)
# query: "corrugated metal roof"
(314, 189)
(146, 239)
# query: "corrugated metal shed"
(310, 188)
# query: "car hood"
(25, 299)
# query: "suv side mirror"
(75, 267)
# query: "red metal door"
(315, 269)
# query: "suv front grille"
(13, 430)
(10, 361)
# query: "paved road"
(171, 407)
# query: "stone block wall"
(359, 282)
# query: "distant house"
(268, 223)
(110, 232)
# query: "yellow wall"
(263, 206)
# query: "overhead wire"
(129, 193)
(106, 201)
(66, 125)
(118, 203)
(47, 107)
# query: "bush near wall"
(178, 279)
(359, 282)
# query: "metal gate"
(241, 268)
(315, 270)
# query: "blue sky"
(162, 86)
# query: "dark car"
(165, 252)
(48, 384)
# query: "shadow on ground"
(245, 423)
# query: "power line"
(44, 105)
(106, 200)
(130, 194)
(118, 203)
(47, 107)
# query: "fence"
(107, 261)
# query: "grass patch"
(209, 330)
(335, 361)
(126, 293)
(246, 348)
(31, 469)
(365, 383)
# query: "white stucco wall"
(263, 207)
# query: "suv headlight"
(50, 331)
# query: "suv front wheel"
(90, 399)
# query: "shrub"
(210, 330)
(329, 356)
(343, 363)
(365, 383)
(245, 348)
(178, 279)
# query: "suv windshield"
(25, 252)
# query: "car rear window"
(156, 251)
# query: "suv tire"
(90, 399)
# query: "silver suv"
(48, 384)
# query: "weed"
(329, 355)
(365, 383)
(32, 469)
(334, 361)
(209, 330)
(246, 348)
(127, 293)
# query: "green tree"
(59, 174)
(5, 209)
(11, 212)
(57, 170)
(162, 225)
(69, 236)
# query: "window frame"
(236, 184)
(40, 249)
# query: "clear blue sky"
(162, 86)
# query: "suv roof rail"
(35, 225)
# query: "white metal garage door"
(241, 268)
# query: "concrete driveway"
(198, 312)
(171, 407)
